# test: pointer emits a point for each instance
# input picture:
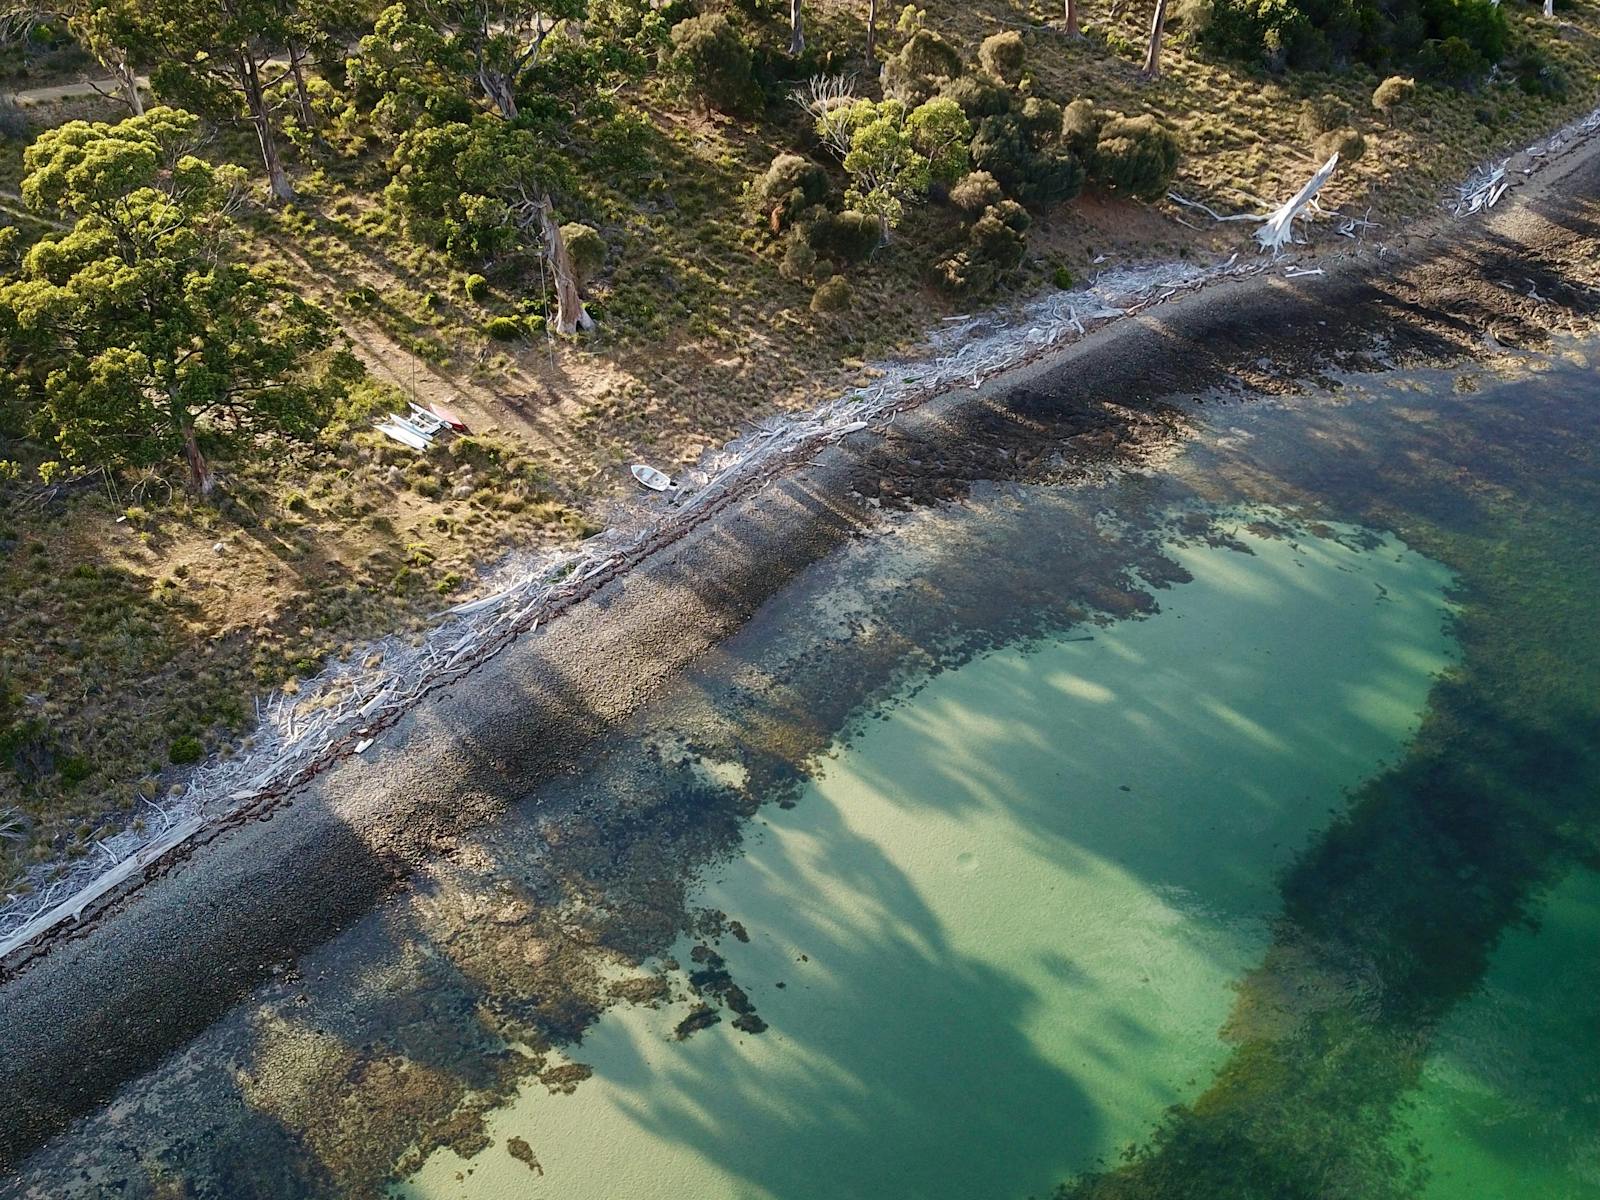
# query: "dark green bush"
(1042, 119)
(504, 329)
(185, 749)
(1028, 162)
(1135, 156)
(834, 296)
(996, 244)
(709, 53)
(924, 64)
(1382, 34)
(1002, 148)
(476, 287)
(1062, 278)
(799, 259)
(1537, 76)
(1453, 61)
(848, 236)
(978, 96)
(1002, 55)
(788, 187)
(1000, 235)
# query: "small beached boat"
(656, 481)
(446, 415)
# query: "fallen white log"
(1278, 230)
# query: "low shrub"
(834, 296)
(1348, 144)
(476, 287)
(1322, 115)
(978, 96)
(1392, 93)
(587, 248)
(976, 192)
(1062, 278)
(504, 329)
(924, 65)
(1080, 128)
(788, 187)
(1002, 55)
(185, 749)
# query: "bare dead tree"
(797, 36)
(872, 29)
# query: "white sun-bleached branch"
(1277, 231)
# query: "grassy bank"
(141, 621)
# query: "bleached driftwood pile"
(1485, 187)
(344, 709)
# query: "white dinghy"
(656, 481)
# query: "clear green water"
(1008, 917)
(1509, 1103)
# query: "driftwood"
(1278, 229)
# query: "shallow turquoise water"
(1007, 918)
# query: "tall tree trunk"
(256, 101)
(1549, 8)
(499, 91)
(127, 79)
(201, 481)
(571, 316)
(308, 116)
(872, 30)
(1072, 19)
(797, 36)
(1158, 25)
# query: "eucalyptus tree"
(477, 180)
(496, 44)
(228, 60)
(105, 29)
(130, 337)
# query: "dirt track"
(107, 1004)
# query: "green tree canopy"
(130, 337)
(891, 154)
